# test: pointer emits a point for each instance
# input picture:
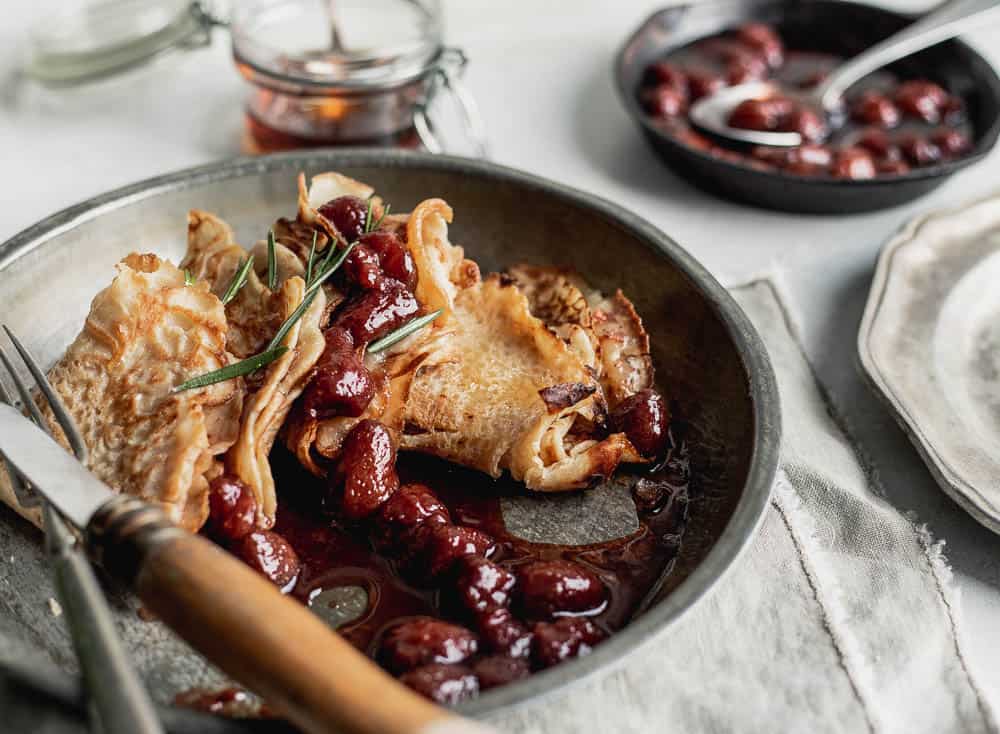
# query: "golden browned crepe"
(605, 332)
(514, 375)
(517, 374)
(146, 333)
(255, 315)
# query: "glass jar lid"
(105, 38)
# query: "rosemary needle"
(272, 262)
(237, 369)
(402, 332)
(238, 281)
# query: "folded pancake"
(255, 315)
(606, 332)
(146, 333)
(488, 385)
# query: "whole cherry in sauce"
(342, 385)
(349, 214)
(746, 69)
(436, 548)
(762, 38)
(951, 142)
(411, 506)
(362, 267)
(919, 150)
(270, 554)
(803, 159)
(444, 684)
(366, 474)
(376, 312)
(806, 122)
(645, 421)
(767, 114)
(393, 256)
(569, 637)
(853, 163)
(547, 589)
(663, 72)
(703, 83)
(664, 100)
(921, 99)
(232, 508)
(878, 143)
(874, 108)
(482, 585)
(426, 640)
(502, 633)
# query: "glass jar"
(345, 72)
(319, 72)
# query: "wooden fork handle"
(243, 624)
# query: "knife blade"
(54, 472)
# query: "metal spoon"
(712, 113)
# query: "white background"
(541, 72)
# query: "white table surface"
(541, 72)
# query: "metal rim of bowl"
(762, 388)
(983, 145)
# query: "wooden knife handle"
(243, 624)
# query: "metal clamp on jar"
(321, 72)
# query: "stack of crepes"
(518, 372)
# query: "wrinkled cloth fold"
(840, 617)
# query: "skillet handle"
(243, 624)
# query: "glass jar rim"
(362, 69)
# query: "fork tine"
(24, 493)
(62, 415)
(23, 391)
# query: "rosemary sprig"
(331, 249)
(307, 298)
(402, 332)
(237, 369)
(312, 258)
(283, 330)
(328, 270)
(368, 216)
(385, 213)
(188, 278)
(238, 281)
(272, 262)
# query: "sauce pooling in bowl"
(482, 622)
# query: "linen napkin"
(839, 618)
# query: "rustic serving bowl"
(707, 354)
(832, 26)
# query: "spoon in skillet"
(712, 113)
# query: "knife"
(226, 611)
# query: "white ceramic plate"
(930, 343)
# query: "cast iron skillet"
(833, 26)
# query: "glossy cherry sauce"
(333, 554)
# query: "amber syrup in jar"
(348, 72)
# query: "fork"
(121, 704)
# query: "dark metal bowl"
(708, 356)
(832, 26)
